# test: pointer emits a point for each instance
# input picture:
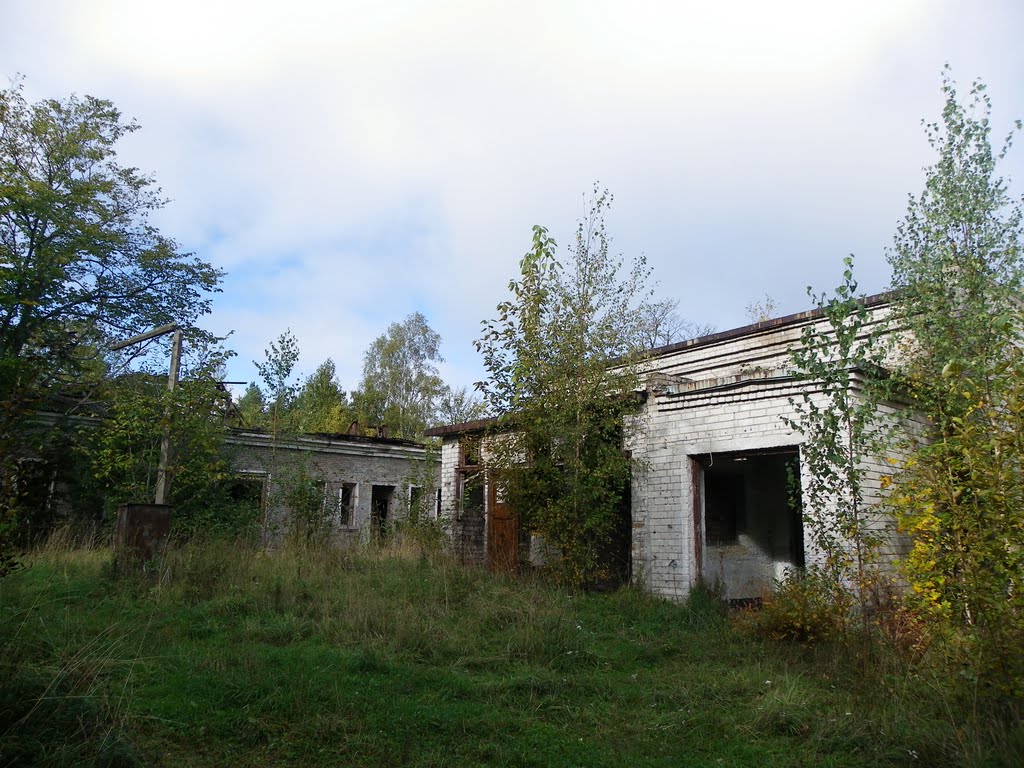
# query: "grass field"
(227, 655)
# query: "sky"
(348, 163)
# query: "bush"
(806, 606)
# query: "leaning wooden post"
(142, 529)
(163, 473)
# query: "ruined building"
(716, 493)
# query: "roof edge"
(477, 425)
(874, 300)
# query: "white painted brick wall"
(699, 419)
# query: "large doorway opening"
(751, 521)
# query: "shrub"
(806, 606)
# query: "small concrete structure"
(141, 533)
(718, 469)
(367, 483)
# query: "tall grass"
(223, 653)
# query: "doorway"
(380, 510)
(752, 522)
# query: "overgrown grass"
(227, 655)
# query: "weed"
(307, 655)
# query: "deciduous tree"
(276, 369)
(846, 433)
(401, 388)
(958, 267)
(560, 377)
(80, 261)
(661, 324)
(322, 405)
(251, 408)
(460, 405)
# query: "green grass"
(230, 656)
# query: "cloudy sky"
(350, 162)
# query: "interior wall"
(752, 535)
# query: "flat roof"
(875, 300)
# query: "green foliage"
(418, 526)
(808, 606)
(123, 452)
(304, 656)
(562, 380)
(298, 489)
(961, 496)
(460, 405)
(319, 405)
(958, 264)
(322, 405)
(280, 359)
(80, 263)
(957, 260)
(301, 492)
(251, 408)
(401, 389)
(839, 418)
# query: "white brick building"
(715, 466)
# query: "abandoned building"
(717, 470)
(362, 485)
(367, 484)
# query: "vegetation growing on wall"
(561, 378)
(838, 415)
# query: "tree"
(558, 358)
(958, 268)
(845, 435)
(251, 408)
(122, 451)
(280, 359)
(401, 387)
(661, 324)
(322, 405)
(759, 310)
(297, 488)
(80, 263)
(460, 405)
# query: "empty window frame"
(248, 489)
(348, 494)
(470, 477)
(417, 507)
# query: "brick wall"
(363, 462)
(713, 398)
(725, 394)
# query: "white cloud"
(351, 162)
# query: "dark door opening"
(752, 521)
(380, 508)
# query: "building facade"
(717, 487)
(367, 484)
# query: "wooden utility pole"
(163, 474)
